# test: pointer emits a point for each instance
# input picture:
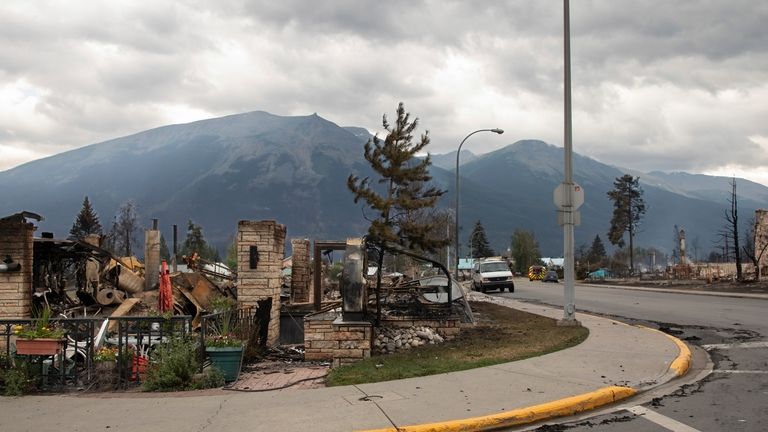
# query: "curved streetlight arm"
(456, 232)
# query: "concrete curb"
(558, 408)
(682, 363)
(563, 407)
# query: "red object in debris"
(165, 299)
(139, 367)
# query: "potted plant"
(223, 347)
(40, 338)
(226, 354)
(105, 359)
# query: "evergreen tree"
(195, 243)
(596, 253)
(232, 256)
(165, 253)
(405, 192)
(86, 222)
(525, 250)
(404, 178)
(478, 242)
(628, 209)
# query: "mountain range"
(258, 165)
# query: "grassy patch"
(501, 335)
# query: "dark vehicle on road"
(551, 276)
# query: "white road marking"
(663, 421)
(732, 371)
(736, 345)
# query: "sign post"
(568, 193)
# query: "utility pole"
(568, 196)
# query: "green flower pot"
(227, 360)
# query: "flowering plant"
(105, 354)
(40, 329)
(224, 340)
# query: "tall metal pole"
(568, 237)
(456, 227)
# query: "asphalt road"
(734, 331)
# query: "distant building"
(553, 262)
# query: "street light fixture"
(456, 239)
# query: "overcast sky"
(657, 84)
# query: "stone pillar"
(300, 273)
(354, 341)
(761, 237)
(16, 247)
(151, 259)
(260, 253)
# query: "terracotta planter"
(39, 346)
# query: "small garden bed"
(501, 335)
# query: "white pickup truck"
(492, 275)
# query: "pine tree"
(478, 242)
(404, 177)
(86, 222)
(596, 253)
(405, 191)
(628, 209)
(195, 243)
(165, 253)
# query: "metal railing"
(135, 339)
(74, 366)
(238, 322)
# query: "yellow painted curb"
(562, 407)
(682, 363)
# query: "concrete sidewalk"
(615, 361)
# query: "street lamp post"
(456, 239)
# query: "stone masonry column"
(300, 274)
(151, 258)
(16, 247)
(260, 253)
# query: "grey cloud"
(110, 69)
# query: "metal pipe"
(175, 248)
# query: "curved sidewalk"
(615, 361)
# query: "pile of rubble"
(393, 339)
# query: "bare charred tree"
(122, 236)
(628, 209)
(404, 178)
(755, 245)
(732, 228)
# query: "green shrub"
(15, 382)
(210, 378)
(173, 365)
(14, 377)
